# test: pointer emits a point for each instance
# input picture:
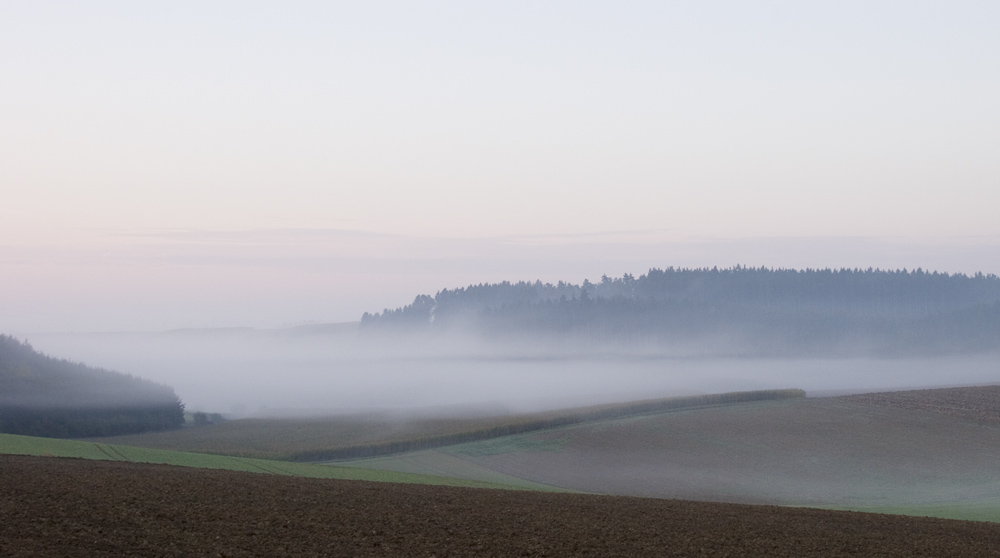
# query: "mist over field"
(628, 248)
(207, 165)
(302, 371)
(528, 346)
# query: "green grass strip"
(52, 447)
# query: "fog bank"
(327, 369)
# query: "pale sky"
(196, 164)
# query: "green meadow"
(51, 447)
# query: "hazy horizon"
(230, 164)
(266, 373)
(215, 164)
(218, 289)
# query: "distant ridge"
(738, 310)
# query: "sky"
(265, 164)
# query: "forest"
(45, 396)
(738, 310)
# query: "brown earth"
(66, 507)
(978, 403)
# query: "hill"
(373, 434)
(70, 508)
(738, 310)
(44, 396)
(926, 452)
(905, 452)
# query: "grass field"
(29, 445)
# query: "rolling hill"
(372, 434)
(879, 452)
(929, 452)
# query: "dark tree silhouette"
(44, 396)
(738, 309)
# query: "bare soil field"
(69, 508)
(977, 403)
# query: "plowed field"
(980, 403)
(66, 507)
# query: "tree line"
(755, 309)
(44, 396)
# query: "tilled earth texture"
(67, 507)
(979, 403)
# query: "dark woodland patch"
(44, 396)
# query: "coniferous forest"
(738, 311)
(44, 396)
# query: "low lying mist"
(331, 369)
